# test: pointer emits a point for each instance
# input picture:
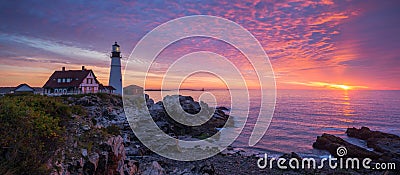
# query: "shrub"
(31, 130)
(113, 130)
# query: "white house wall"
(89, 88)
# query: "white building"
(115, 70)
(84, 81)
(67, 82)
(20, 89)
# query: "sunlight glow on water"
(302, 115)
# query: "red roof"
(77, 77)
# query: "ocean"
(302, 115)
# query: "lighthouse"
(115, 70)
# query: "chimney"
(83, 68)
(63, 69)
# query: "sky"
(323, 44)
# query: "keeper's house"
(66, 82)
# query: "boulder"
(94, 158)
(89, 168)
(222, 108)
(169, 125)
(207, 168)
(331, 143)
(131, 151)
(387, 144)
(291, 155)
(154, 169)
(364, 133)
(131, 167)
(85, 127)
(84, 152)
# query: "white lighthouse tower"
(115, 70)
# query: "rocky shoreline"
(101, 142)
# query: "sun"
(340, 86)
(344, 87)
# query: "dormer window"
(89, 81)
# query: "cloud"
(306, 41)
(328, 85)
(54, 47)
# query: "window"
(59, 80)
(63, 80)
(89, 81)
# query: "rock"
(288, 157)
(364, 133)
(131, 167)
(207, 168)
(160, 103)
(291, 155)
(156, 107)
(85, 127)
(89, 100)
(74, 116)
(222, 108)
(117, 145)
(84, 152)
(388, 144)
(331, 143)
(154, 169)
(111, 155)
(127, 140)
(215, 118)
(149, 101)
(130, 151)
(88, 168)
(118, 150)
(94, 158)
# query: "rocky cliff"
(93, 137)
(101, 141)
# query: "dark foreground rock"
(331, 143)
(101, 142)
(388, 145)
(219, 117)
